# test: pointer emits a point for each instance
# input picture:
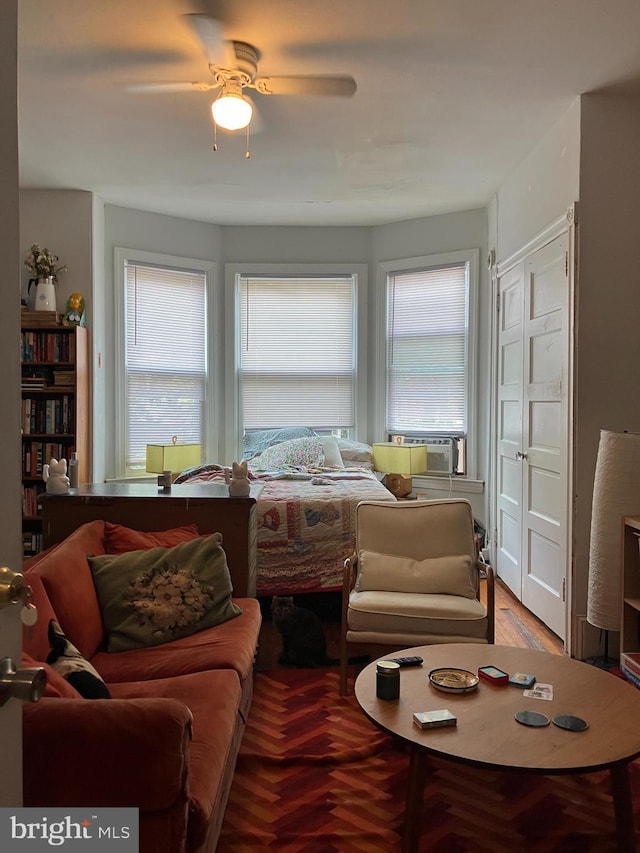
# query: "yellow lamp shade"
(400, 458)
(172, 457)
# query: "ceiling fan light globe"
(231, 112)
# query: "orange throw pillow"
(120, 540)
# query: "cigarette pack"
(434, 719)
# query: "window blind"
(165, 359)
(427, 347)
(297, 358)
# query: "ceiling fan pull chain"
(215, 136)
(247, 153)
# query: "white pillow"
(453, 575)
(332, 457)
(356, 453)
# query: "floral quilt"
(306, 525)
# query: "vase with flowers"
(44, 268)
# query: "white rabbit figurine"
(55, 476)
(236, 479)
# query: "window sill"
(452, 485)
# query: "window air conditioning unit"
(442, 456)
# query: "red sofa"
(167, 740)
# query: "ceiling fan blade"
(312, 85)
(218, 50)
(151, 88)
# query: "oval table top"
(487, 733)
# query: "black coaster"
(532, 718)
(571, 724)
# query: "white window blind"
(297, 359)
(165, 359)
(427, 350)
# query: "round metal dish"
(454, 680)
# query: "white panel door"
(509, 429)
(533, 432)
(545, 433)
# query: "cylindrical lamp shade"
(616, 494)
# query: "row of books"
(48, 378)
(30, 499)
(47, 346)
(630, 666)
(36, 453)
(48, 416)
(32, 543)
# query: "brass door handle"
(13, 588)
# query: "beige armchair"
(413, 580)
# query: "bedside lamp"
(399, 462)
(172, 457)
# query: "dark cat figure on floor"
(303, 640)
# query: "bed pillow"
(298, 453)
(356, 453)
(119, 539)
(155, 596)
(255, 441)
(451, 575)
(332, 457)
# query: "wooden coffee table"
(487, 734)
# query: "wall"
(60, 220)
(608, 304)
(542, 187)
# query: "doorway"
(532, 430)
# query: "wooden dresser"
(146, 507)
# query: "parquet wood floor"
(515, 626)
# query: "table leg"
(413, 803)
(623, 806)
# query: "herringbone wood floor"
(515, 626)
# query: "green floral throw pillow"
(159, 595)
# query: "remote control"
(410, 661)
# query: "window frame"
(233, 273)
(208, 269)
(471, 258)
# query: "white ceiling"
(452, 95)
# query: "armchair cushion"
(452, 575)
(416, 613)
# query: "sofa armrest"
(106, 752)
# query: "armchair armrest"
(491, 603)
(106, 752)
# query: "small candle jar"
(387, 680)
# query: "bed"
(306, 510)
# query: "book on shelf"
(630, 663)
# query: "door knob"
(13, 588)
(520, 456)
(28, 685)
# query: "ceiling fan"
(234, 68)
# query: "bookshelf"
(55, 410)
(630, 617)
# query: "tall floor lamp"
(616, 493)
